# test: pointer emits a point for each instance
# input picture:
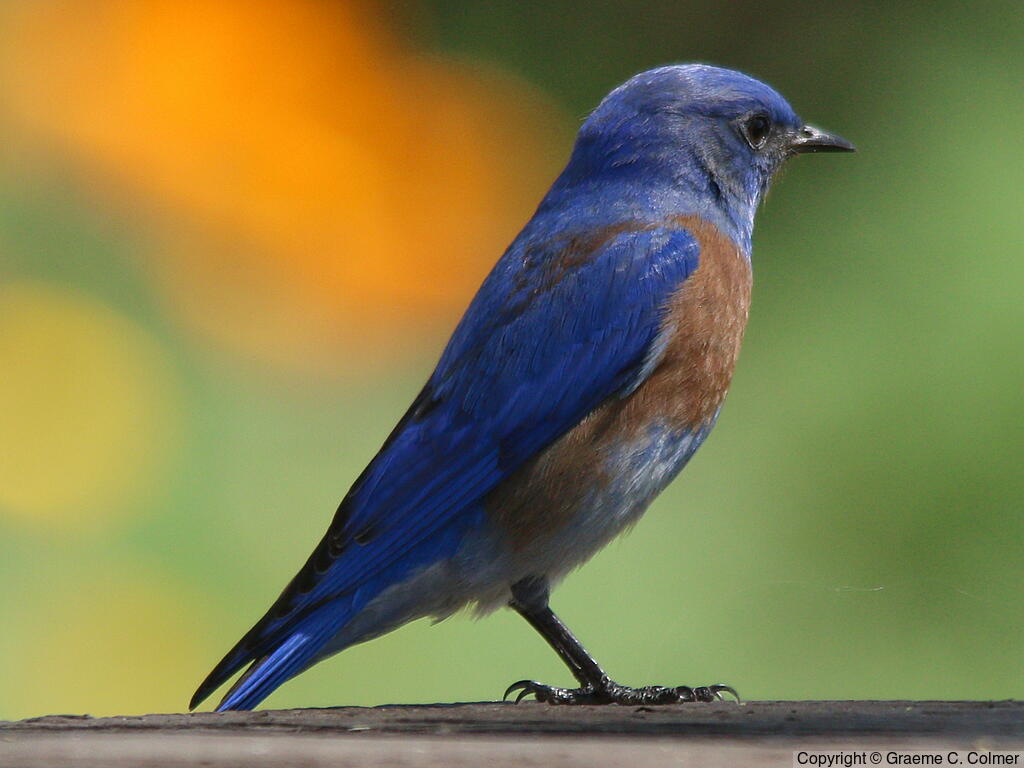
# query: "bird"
(589, 367)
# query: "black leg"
(530, 600)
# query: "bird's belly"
(632, 474)
(580, 493)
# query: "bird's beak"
(811, 139)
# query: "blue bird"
(588, 369)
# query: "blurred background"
(234, 236)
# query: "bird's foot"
(610, 692)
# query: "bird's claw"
(610, 692)
(551, 694)
(524, 688)
(719, 688)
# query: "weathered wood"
(764, 733)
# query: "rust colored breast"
(702, 332)
(705, 320)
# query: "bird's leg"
(530, 600)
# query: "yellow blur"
(91, 414)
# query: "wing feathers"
(532, 356)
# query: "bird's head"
(712, 135)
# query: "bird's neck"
(675, 195)
(647, 177)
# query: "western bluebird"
(589, 367)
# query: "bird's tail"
(282, 647)
(296, 652)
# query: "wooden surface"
(726, 734)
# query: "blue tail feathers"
(319, 626)
(290, 657)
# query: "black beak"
(811, 139)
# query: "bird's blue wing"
(553, 332)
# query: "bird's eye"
(756, 129)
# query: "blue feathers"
(553, 332)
